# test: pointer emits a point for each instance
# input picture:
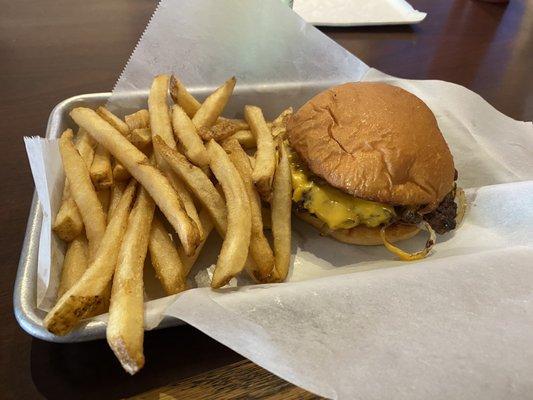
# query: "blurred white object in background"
(357, 12)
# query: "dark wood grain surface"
(241, 380)
(51, 50)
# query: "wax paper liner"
(351, 322)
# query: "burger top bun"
(374, 141)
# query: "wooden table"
(53, 50)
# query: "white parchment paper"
(351, 322)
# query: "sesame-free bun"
(360, 234)
(376, 142)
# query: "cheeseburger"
(370, 166)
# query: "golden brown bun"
(361, 234)
(374, 141)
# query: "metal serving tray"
(272, 98)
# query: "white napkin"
(357, 12)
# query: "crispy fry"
(141, 137)
(279, 132)
(103, 306)
(74, 264)
(138, 120)
(212, 107)
(120, 173)
(183, 98)
(233, 254)
(283, 117)
(68, 223)
(141, 169)
(265, 157)
(185, 131)
(83, 192)
(251, 159)
(281, 215)
(85, 146)
(125, 328)
(104, 197)
(113, 120)
(198, 182)
(101, 168)
(188, 261)
(116, 193)
(235, 123)
(260, 250)
(165, 259)
(160, 123)
(186, 199)
(222, 129)
(245, 138)
(279, 125)
(101, 171)
(82, 298)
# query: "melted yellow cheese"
(336, 208)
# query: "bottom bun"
(361, 235)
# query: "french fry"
(141, 137)
(233, 255)
(183, 98)
(165, 259)
(185, 131)
(235, 123)
(283, 117)
(120, 173)
(125, 328)
(144, 172)
(190, 105)
(82, 298)
(160, 123)
(113, 120)
(281, 215)
(85, 146)
(83, 192)
(260, 250)
(186, 200)
(101, 170)
(279, 125)
(198, 183)
(116, 193)
(212, 107)
(103, 306)
(138, 120)
(104, 197)
(188, 261)
(265, 156)
(245, 138)
(74, 265)
(251, 159)
(68, 223)
(222, 129)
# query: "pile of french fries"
(158, 182)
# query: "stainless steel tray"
(272, 98)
